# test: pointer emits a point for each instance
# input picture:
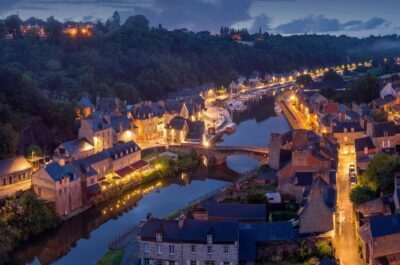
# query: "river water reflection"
(84, 238)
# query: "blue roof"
(304, 178)
(235, 211)
(271, 231)
(247, 245)
(57, 172)
(192, 230)
(85, 102)
(77, 145)
(385, 225)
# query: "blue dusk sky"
(351, 17)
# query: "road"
(294, 117)
(345, 229)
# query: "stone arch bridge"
(217, 155)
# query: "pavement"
(294, 117)
(345, 226)
(10, 190)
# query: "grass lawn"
(112, 257)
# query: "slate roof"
(361, 143)
(236, 211)
(98, 121)
(196, 129)
(192, 230)
(271, 231)
(315, 96)
(173, 106)
(147, 110)
(77, 145)
(85, 102)
(388, 127)
(57, 172)
(129, 147)
(383, 101)
(339, 128)
(247, 245)
(120, 120)
(177, 123)
(385, 225)
(13, 165)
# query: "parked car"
(353, 178)
(273, 197)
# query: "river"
(85, 238)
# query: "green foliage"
(8, 141)
(33, 150)
(304, 80)
(366, 88)
(255, 196)
(331, 76)
(324, 248)
(361, 194)
(112, 257)
(379, 116)
(22, 218)
(312, 261)
(380, 172)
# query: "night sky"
(351, 17)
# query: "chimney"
(182, 218)
(61, 162)
(149, 216)
(120, 126)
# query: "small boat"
(277, 109)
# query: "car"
(352, 167)
(353, 181)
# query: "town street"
(345, 227)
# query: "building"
(180, 130)
(385, 135)
(98, 131)
(347, 132)
(188, 241)
(60, 185)
(365, 151)
(84, 108)
(14, 170)
(74, 150)
(380, 239)
(213, 211)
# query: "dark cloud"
(310, 24)
(261, 21)
(6, 5)
(321, 24)
(197, 14)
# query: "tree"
(8, 141)
(137, 21)
(33, 150)
(115, 20)
(366, 88)
(380, 172)
(3, 29)
(304, 80)
(361, 194)
(331, 76)
(379, 116)
(54, 29)
(255, 196)
(328, 92)
(13, 24)
(126, 91)
(324, 248)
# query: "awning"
(123, 172)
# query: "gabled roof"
(85, 102)
(77, 145)
(120, 122)
(385, 225)
(196, 130)
(57, 172)
(191, 231)
(348, 125)
(177, 123)
(12, 165)
(235, 211)
(385, 100)
(362, 143)
(386, 127)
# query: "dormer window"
(385, 134)
(121, 154)
(209, 239)
(126, 152)
(345, 130)
(352, 129)
(158, 237)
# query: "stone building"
(84, 108)
(213, 211)
(188, 241)
(60, 185)
(14, 170)
(180, 130)
(380, 239)
(98, 131)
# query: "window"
(193, 248)
(159, 249)
(159, 262)
(158, 237)
(39, 191)
(193, 262)
(146, 248)
(209, 239)
(226, 250)
(226, 263)
(209, 249)
(146, 262)
(209, 262)
(171, 249)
